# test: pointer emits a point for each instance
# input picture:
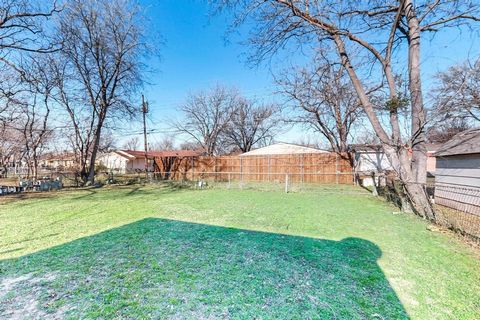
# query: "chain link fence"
(281, 182)
(456, 207)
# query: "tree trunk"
(93, 156)
(96, 141)
(415, 192)
(419, 200)
(35, 165)
(419, 150)
(409, 171)
(83, 171)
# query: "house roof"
(431, 148)
(282, 148)
(466, 142)
(366, 148)
(130, 154)
(176, 153)
(60, 156)
(133, 154)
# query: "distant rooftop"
(431, 147)
(282, 148)
(134, 154)
(58, 156)
(366, 148)
(466, 142)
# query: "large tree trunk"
(397, 154)
(419, 150)
(93, 156)
(414, 192)
(35, 165)
(96, 141)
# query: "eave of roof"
(175, 153)
(131, 154)
(365, 147)
(466, 142)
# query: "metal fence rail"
(261, 181)
(462, 198)
(457, 207)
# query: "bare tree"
(132, 144)
(99, 70)
(22, 29)
(166, 143)
(36, 131)
(10, 147)
(457, 94)
(324, 100)
(444, 131)
(108, 142)
(22, 32)
(190, 145)
(169, 163)
(310, 142)
(364, 37)
(207, 115)
(32, 107)
(35, 134)
(251, 123)
(366, 137)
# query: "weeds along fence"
(290, 169)
(457, 207)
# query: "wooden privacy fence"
(298, 168)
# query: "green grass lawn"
(164, 252)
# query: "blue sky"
(195, 56)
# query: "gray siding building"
(457, 177)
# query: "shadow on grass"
(157, 268)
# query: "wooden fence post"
(215, 169)
(268, 157)
(302, 168)
(193, 168)
(241, 171)
(336, 168)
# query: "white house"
(130, 161)
(368, 159)
(125, 161)
(63, 161)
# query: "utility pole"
(144, 111)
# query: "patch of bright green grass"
(163, 252)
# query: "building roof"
(176, 153)
(133, 154)
(466, 142)
(366, 148)
(431, 148)
(282, 148)
(60, 156)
